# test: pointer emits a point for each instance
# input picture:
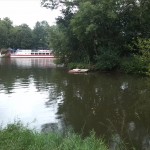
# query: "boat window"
(47, 53)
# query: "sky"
(26, 11)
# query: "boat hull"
(78, 71)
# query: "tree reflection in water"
(109, 104)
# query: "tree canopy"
(101, 32)
(23, 36)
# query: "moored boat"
(78, 71)
(21, 53)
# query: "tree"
(41, 35)
(5, 31)
(54, 4)
(101, 31)
(22, 36)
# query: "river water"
(48, 98)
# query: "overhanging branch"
(53, 4)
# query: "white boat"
(78, 71)
(23, 53)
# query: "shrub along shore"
(18, 137)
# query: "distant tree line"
(105, 34)
(23, 36)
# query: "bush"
(134, 65)
(78, 65)
(107, 60)
(139, 63)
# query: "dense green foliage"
(23, 36)
(107, 34)
(103, 33)
(18, 137)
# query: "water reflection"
(25, 92)
(25, 103)
(109, 104)
(33, 62)
(116, 106)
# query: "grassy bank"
(18, 137)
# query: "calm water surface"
(48, 98)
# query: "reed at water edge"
(18, 137)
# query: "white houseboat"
(21, 53)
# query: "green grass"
(17, 137)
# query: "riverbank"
(18, 137)
(127, 66)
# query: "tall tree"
(5, 31)
(22, 36)
(102, 30)
(41, 35)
